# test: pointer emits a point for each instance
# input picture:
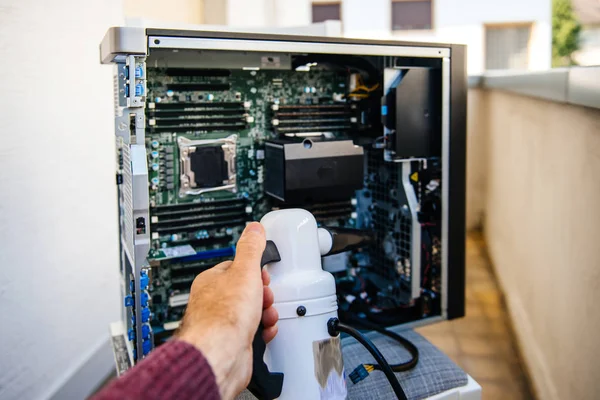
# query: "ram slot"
(198, 86)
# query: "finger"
(270, 333)
(269, 317)
(224, 266)
(268, 297)
(266, 278)
(249, 249)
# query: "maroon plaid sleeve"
(175, 370)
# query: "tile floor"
(482, 343)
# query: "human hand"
(224, 311)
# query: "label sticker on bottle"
(329, 369)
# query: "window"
(507, 47)
(411, 14)
(325, 11)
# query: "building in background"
(588, 13)
(509, 34)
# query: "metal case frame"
(128, 47)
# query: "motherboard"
(226, 146)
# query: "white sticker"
(329, 369)
(178, 251)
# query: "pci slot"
(217, 111)
(213, 224)
(196, 72)
(178, 300)
(190, 106)
(198, 218)
(195, 210)
(198, 128)
(198, 87)
(197, 206)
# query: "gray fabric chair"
(435, 373)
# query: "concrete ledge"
(578, 85)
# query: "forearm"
(176, 370)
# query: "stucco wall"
(541, 227)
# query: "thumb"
(249, 249)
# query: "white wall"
(58, 216)
(455, 21)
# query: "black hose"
(334, 327)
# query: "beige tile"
(488, 296)
(481, 346)
(482, 343)
(499, 390)
(494, 311)
(499, 327)
(483, 368)
(471, 326)
(474, 309)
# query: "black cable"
(334, 327)
(408, 345)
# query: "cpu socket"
(207, 165)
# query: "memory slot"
(198, 128)
(310, 113)
(195, 219)
(312, 121)
(195, 205)
(199, 226)
(197, 105)
(313, 107)
(320, 128)
(198, 87)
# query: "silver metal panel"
(122, 41)
(549, 85)
(584, 87)
(445, 179)
(163, 58)
(299, 47)
(308, 149)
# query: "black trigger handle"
(270, 255)
(264, 384)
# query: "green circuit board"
(212, 105)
